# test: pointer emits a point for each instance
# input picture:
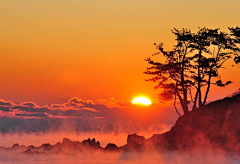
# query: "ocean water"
(121, 158)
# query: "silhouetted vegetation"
(193, 64)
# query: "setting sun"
(141, 101)
(101, 81)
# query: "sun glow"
(141, 101)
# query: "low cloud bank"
(77, 115)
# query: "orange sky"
(52, 50)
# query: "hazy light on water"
(126, 157)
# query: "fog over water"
(206, 156)
(120, 139)
(125, 157)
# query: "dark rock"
(31, 147)
(134, 139)
(15, 146)
(91, 143)
(111, 147)
(30, 152)
(46, 145)
(134, 143)
(66, 141)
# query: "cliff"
(215, 126)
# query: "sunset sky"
(74, 70)
(54, 50)
(75, 65)
(80, 63)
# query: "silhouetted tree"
(214, 48)
(200, 44)
(172, 75)
(235, 33)
(192, 64)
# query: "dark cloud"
(5, 109)
(32, 109)
(103, 115)
(32, 115)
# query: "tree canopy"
(193, 64)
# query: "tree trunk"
(175, 99)
(195, 101)
(185, 110)
(185, 101)
(208, 88)
(199, 81)
(199, 96)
